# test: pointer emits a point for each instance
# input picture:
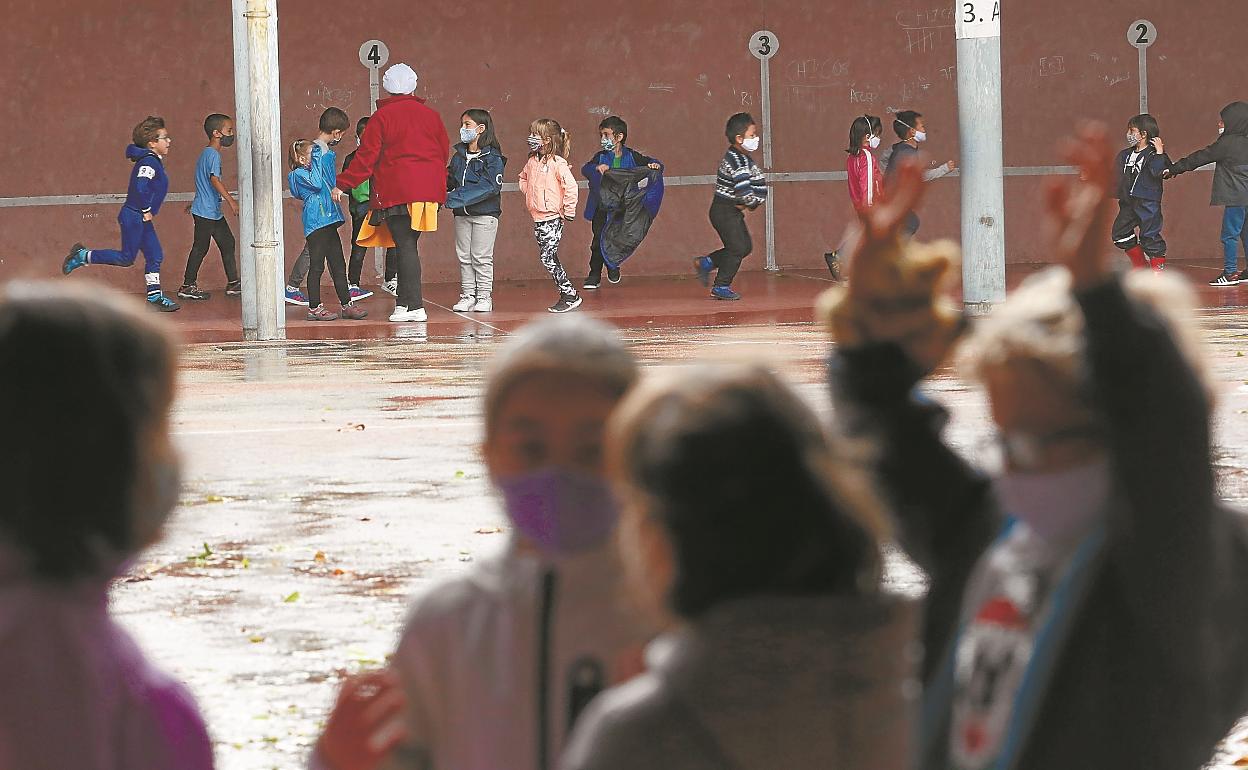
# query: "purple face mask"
(562, 511)
(1057, 505)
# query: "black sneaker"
(234, 289)
(565, 304)
(833, 258)
(192, 291)
(613, 274)
(1226, 279)
(592, 282)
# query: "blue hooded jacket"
(475, 186)
(148, 181)
(310, 186)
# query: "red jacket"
(866, 181)
(404, 151)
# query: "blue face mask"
(562, 512)
(467, 135)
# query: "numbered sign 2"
(764, 44)
(1141, 33)
(978, 18)
(374, 54)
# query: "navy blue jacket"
(149, 184)
(1143, 180)
(475, 186)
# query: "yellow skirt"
(424, 220)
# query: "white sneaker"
(465, 304)
(391, 287)
(483, 306)
(403, 315)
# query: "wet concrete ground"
(328, 480)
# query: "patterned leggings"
(549, 233)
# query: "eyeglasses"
(164, 138)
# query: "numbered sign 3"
(764, 44)
(978, 18)
(374, 54)
(1141, 33)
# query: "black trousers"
(1144, 216)
(406, 244)
(356, 266)
(325, 248)
(206, 231)
(729, 222)
(595, 246)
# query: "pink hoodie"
(549, 188)
(75, 690)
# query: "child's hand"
(1079, 215)
(603, 168)
(1166, 174)
(337, 194)
(952, 166)
(233, 206)
(365, 724)
(188, 208)
(654, 166)
(147, 216)
(1159, 146)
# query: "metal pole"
(770, 205)
(1143, 80)
(983, 188)
(265, 190)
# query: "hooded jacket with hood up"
(1230, 152)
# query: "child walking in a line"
(550, 192)
(1137, 230)
(210, 222)
(474, 183)
(865, 176)
(321, 220)
(148, 186)
(740, 186)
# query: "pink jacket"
(549, 188)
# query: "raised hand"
(1080, 213)
(365, 724)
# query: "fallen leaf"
(214, 499)
(320, 557)
(351, 426)
(339, 572)
(294, 597)
(460, 474)
(255, 639)
(246, 563)
(489, 531)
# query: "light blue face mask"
(467, 135)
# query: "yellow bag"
(424, 220)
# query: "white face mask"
(1133, 140)
(1057, 504)
(920, 136)
(874, 142)
(1222, 131)
(751, 144)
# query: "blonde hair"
(297, 150)
(560, 141)
(569, 346)
(1042, 324)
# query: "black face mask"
(333, 142)
(226, 141)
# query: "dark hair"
(359, 126)
(214, 122)
(85, 372)
(489, 137)
(737, 125)
(739, 474)
(616, 124)
(862, 127)
(146, 132)
(1146, 124)
(904, 122)
(334, 119)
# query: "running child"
(740, 186)
(614, 154)
(148, 186)
(864, 174)
(474, 183)
(911, 129)
(520, 644)
(1230, 185)
(321, 220)
(1137, 229)
(550, 192)
(210, 222)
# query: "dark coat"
(1230, 152)
(631, 199)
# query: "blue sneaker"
(357, 293)
(296, 297)
(703, 266)
(77, 258)
(724, 293)
(162, 303)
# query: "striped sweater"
(740, 181)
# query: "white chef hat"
(399, 79)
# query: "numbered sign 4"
(978, 18)
(764, 44)
(1141, 33)
(374, 54)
